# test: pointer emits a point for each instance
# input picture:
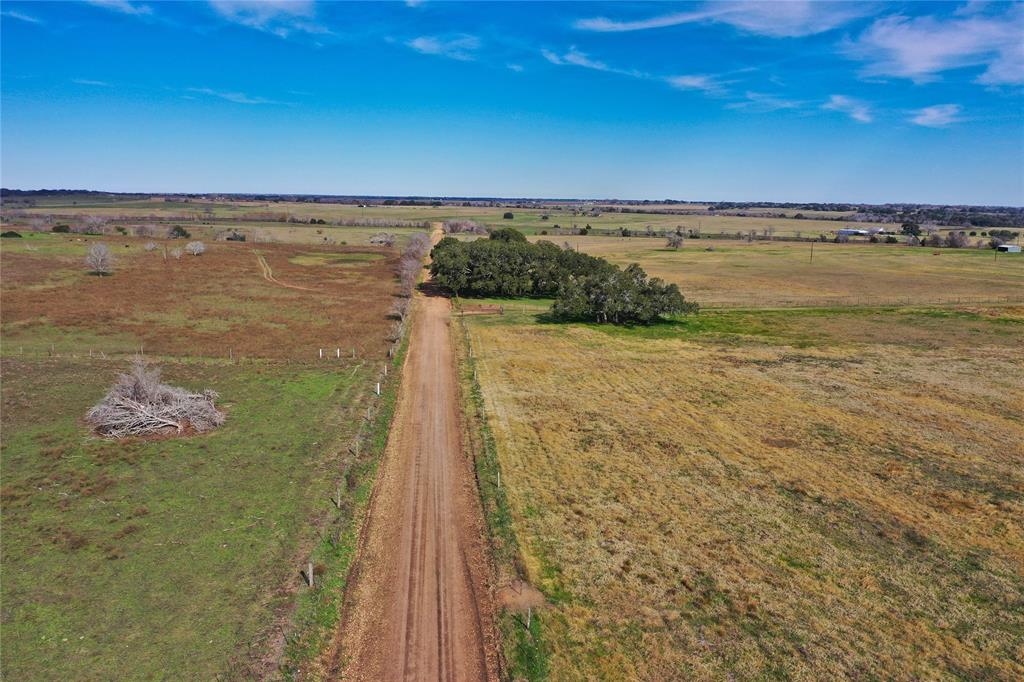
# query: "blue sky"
(784, 101)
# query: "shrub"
(100, 260)
(674, 240)
(178, 232)
(61, 229)
(891, 239)
(176, 253)
(139, 404)
(150, 246)
(195, 248)
(383, 239)
(508, 234)
(508, 216)
(460, 226)
(10, 234)
(956, 240)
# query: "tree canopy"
(586, 288)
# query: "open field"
(737, 273)
(767, 494)
(132, 559)
(529, 221)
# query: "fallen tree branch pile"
(138, 404)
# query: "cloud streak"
(462, 48)
(281, 18)
(762, 103)
(88, 81)
(21, 16)
(236, 97)
(937, 116)
(855, 109)
(791, 19)
(124, 7)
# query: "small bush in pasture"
(100, 260)
(956, 240)
(178, 232)
(508, 216)
(150, 246)
(121, 230)
(891, 239)
(383, 239)
(10, 234)
(463, 226)
(674, 240)
(138, 404)
(61, 229)
(195, 248)
(508, 234)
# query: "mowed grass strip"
(770, 496)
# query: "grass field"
(761, 274)
(530, 221)
(767, 494)
(126, 560)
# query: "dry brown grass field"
(789, 494)
(213, 305)
(762, 273)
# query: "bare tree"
(139, 404)
(195, 248)
(100, 259)
(674, 240)
(150, 246)
(467, 226)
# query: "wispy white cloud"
(606, 25)
(414, 3)
(855, 109)
(761, 103)
(921, 48)
(937, 116)
(518, 68)
(574, 57)
(236, 97)
(461, 47)
(793, 18)
(88, 81)
(709, 85)
(281, 18)
(124, 7)
(21, 16)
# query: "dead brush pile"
(138, 405)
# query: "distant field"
(757, 494)
(765, 273)
(530, 221)
(128, 560)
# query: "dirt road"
(418, 606)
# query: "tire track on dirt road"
(418, 606)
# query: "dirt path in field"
(418, 606)
(268, 275)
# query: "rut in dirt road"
(419, 608)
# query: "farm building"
(1008, 248)
(852, 232)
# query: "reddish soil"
(418, 604)
(230, 300)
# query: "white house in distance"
(1008, 248)
(852, 232)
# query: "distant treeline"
(584, 287)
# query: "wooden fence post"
(309, 574)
